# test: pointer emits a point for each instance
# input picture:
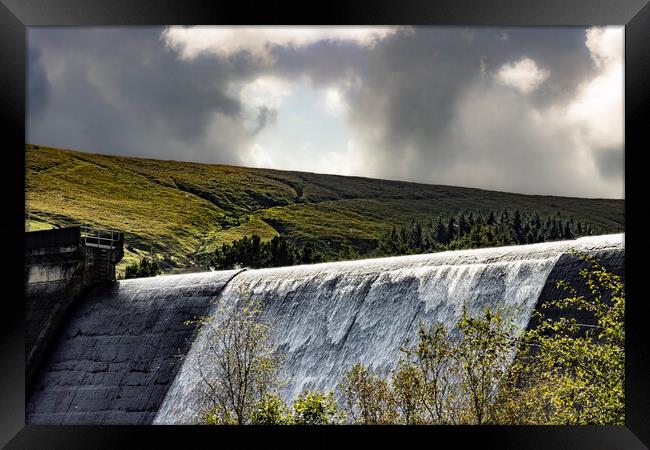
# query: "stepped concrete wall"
(58, 269)
(120, 349)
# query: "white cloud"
(258, 41)
(605, 45)
(496, 138)
(334, 101)
(523, 75)
(508, 143)
(266, 91)
(597, 109)
(260, 99)
(594, 117)
(349, 161)
(257, 156)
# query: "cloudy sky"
(529, 110)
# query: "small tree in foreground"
(564, 372)
(271, 410)
(570, 372)
(237, 366)
(451, 377)
(484, 354)
(438, 369)
(368, 399)
(315, 408)
(442, 380)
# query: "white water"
(326, 317)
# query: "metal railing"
(98, 238)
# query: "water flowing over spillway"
(327, 317)
(124, 354)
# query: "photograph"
(324, 225)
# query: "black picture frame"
(16, 15)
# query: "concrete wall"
(54, 262)
(56, 274)
(568, 268)
(120, 348)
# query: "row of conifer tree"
(463, 230)
(478, 229)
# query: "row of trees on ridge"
(478, 229)
(465, 230)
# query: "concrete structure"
(120, 349)
(60, 265)
(121, 355)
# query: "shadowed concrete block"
(60, 265)
(120, 348)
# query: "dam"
(124, 353)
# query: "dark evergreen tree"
(567, 234)
(280, 253)
(440, 233)
(504, 220)
(309, 255)
(463, 226)
(530, 238)
(414, 238)
(491, 221)
(452, 230)
(479, 220)
(347, 252)
(389, 244)
(517, 227)
(554, 231)
(525, 231)
(146, 268)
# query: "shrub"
(315, 408)
(146, 268)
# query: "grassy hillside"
(179, 210)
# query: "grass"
(37, 225)
(182, 210)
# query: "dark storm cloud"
(408, 90)
(265, 116)
(610, 163)
(423, 103)
(413, 86)
(325, 62)
(38, 85)
(122, 91)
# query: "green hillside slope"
(178, 210)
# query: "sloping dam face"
(125, 354)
